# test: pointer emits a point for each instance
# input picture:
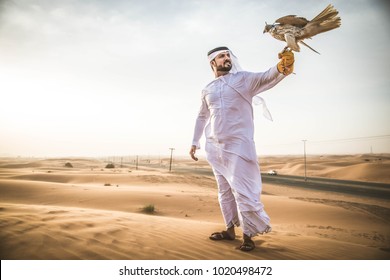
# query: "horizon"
(117, 158)
(369, 146)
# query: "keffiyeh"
(215, 52)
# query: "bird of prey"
(294, 30)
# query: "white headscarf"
(257, 100)
(235, 65)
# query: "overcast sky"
(124, 77)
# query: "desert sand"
(49, 211)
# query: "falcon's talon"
(286, 49)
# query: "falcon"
(293, 29)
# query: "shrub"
(68, 164)
(110, 165)
(149, 209)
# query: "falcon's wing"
(293, 20)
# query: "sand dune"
(370, 168)
(48, 211)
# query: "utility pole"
(136, 164)
(170, 162)
(304, 156)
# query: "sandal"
(247, 245)
(223, 235)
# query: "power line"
(170, 161)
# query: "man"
(226, 116)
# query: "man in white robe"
(226, 117)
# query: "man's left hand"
(192, 153)
(286, 63)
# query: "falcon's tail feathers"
(328, 13)
(324, 21)
(306, 45)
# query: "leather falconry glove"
(286, 63)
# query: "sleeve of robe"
(259, 82)
(200, 123)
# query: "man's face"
(222, 62)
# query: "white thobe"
(226, 117)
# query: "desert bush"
(68, 164)
(110, 165)
(149, 209)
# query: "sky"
(124, 77)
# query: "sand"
(49, 211)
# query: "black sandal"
(223, 235)
(247, 245)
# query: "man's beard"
(226, 67)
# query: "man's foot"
(223, 235)
(247, 245)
